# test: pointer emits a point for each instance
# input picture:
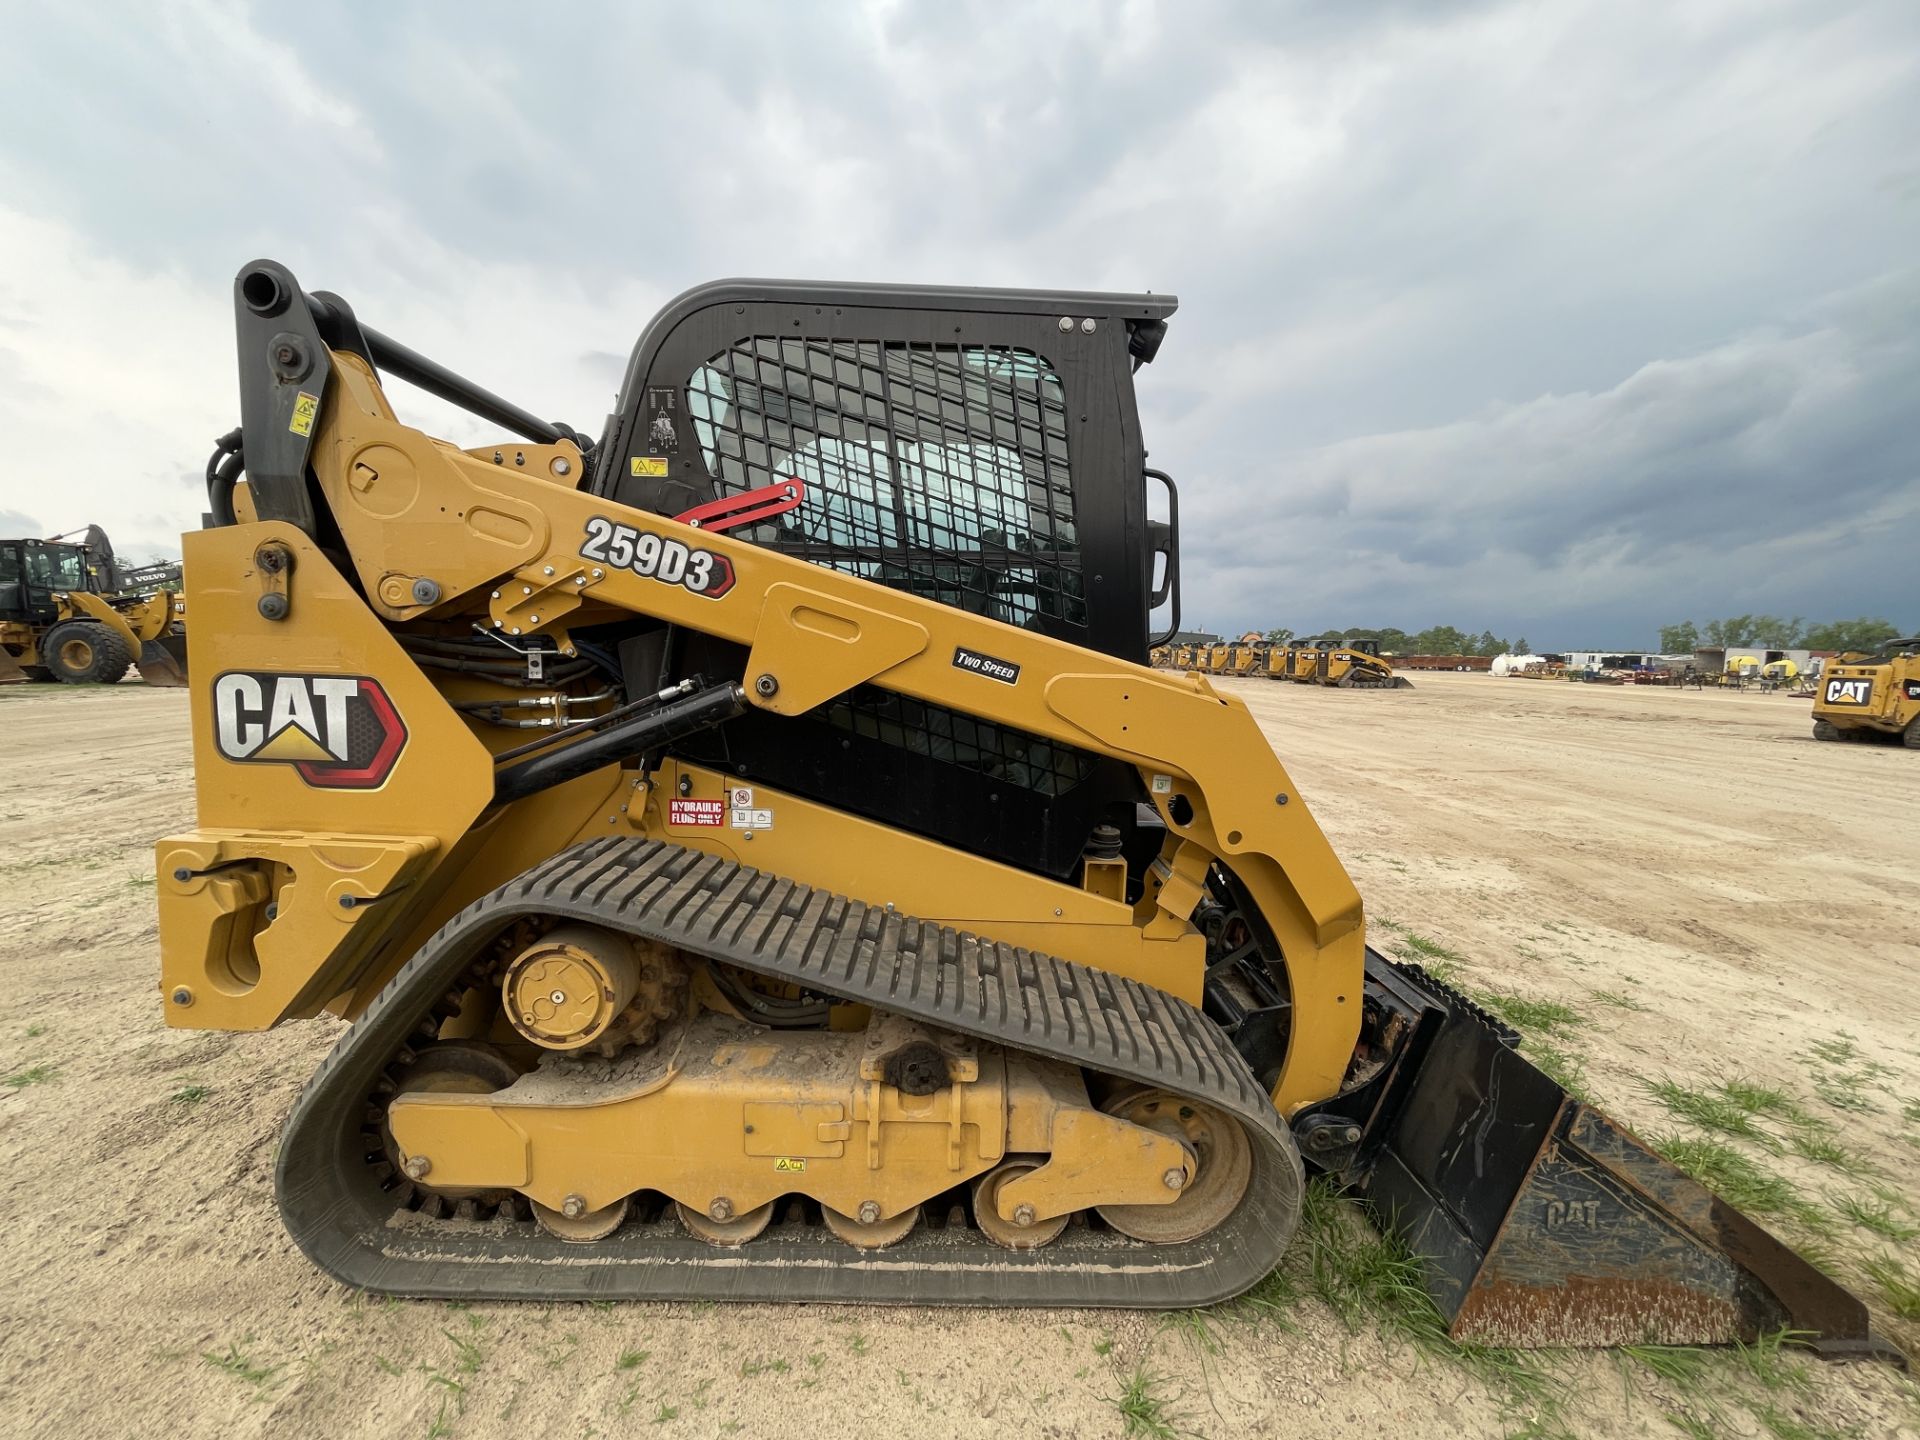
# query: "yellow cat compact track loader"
(1869, 697)
(758, 864)
(1346, 665)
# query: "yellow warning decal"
(790, 1164)
(305, 406)
(649, 465)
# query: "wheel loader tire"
(1910, 736)
(81, 652)
(1825, 730)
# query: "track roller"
(1011, 1233)
(730, 1233)
(578, 1225)
(874, 1234)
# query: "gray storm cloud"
(1561, 320)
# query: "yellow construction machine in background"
(1344, 664)
(1868, 697)
(70, 611)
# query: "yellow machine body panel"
(523, 550)
(1859, 697)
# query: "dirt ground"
(1709, 894)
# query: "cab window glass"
(940, 469)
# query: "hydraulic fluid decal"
(340, 732)
(1848, 692)
(656, 557)
(696, 812)
(1005, 671)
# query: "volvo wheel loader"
(757, 862)
(71, 611)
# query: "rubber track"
(337, 1211)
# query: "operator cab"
(980, 448)
(32, 572)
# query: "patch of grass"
(857, 1343)
(1776, 1362)
(1876, 1216)
(631, 1359)
(1563, 1067)
(1433, 957)
(1783, 1426)
(1193, 1326)
(1836, 1052)
(33, 1075)
(1273, 1298)
(1845, 1092)
(1708, 1110)
(190, 1094)
(1738, 1180)
(1897, 1283)
(665, 1413)
(387, 1367)
(140, 882)
(34, 1032)
(237, 1363)
(1103, 1346)
(1818, 1145)
(1372, 1281)
(1758, 1099)
(1617, 1000)
(1680, 1366)
(1545, 1017)
(467, 1356)
(1142, 1410)
(776, 1366)
(1692, 1426)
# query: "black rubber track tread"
(335, 1207)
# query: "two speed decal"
(656, 557)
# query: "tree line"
(1773, 633)
(1439, 640)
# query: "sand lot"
(1711, 895)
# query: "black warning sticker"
(663, 420)
(1005, 671)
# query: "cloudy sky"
(1561, 319)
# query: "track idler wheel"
(578, 1225)
(448, 1067)
(730, 1233)
(1011, 1233)
(873, 1234)
(1222, 1167)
